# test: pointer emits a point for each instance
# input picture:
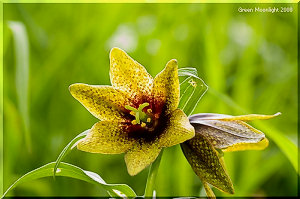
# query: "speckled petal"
(104, 102)
(129, 76)
(215, 116)
(166, 88)
(205, 162)
(248, 146)
(178, 129)
(234, 134)
(141, 155)
(108, 137)
(250, 117)
(237, 128)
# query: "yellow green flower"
(215, 134)
(138, 114)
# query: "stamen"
(140, 116)
(133, 122)
(132, 113)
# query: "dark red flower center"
(144, 122)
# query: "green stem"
(210, 194)
(152, 176)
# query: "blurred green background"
(248, 60)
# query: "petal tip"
(264, 143)
(172, 62)
(115, 51)
(132, 171)
(79, 144)
(277, 114)
(231, 190)
(74, 88)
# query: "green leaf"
(289, 149)
(192, 88)
(67, 149)
(22, 74)
(153, 170)
(68, 170)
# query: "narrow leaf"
(67, 149)
(188, 72)
(192, 88)
(289, 149)
(210, 194)
(22, 74)
(68, 170)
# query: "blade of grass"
(69, 170)
(251, 181)
(150, 185)
(67, 149)
(22, 74)
(289, 149)
(1, 99)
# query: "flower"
(138, 114)
(215, 134)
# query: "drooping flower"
(138, 114)
(215, 134)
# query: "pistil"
(141, 117)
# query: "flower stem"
(152, 176)
(210, 194)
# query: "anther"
(132, 113)
(149, 110)
(148, 119)
(133, 122)
(143, 124)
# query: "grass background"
(248, 60)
